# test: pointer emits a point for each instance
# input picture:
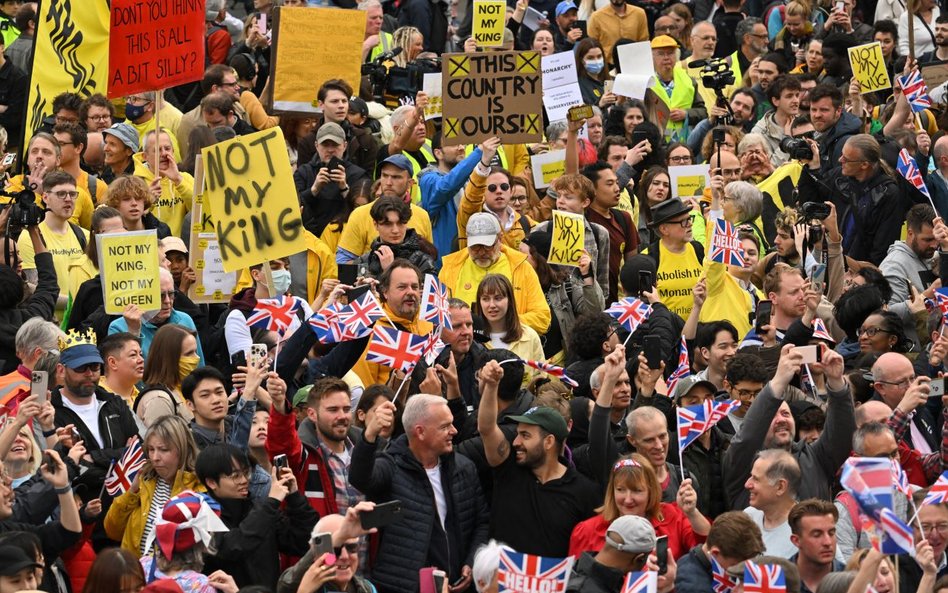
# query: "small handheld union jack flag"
(915, 90)
(682, 370)
(764, 578)
(433, 346)
(721, 581)
(693, 421)
(938, 492)
(123, 471)
(820, 332)
(359, 316)
(899, 537)
(725, 244)
(395, 349)
(941, 301)
(630, 312)
(900, 478)
(525, 573)
(434, 302)
(552, 370)
(325, 324)
(276, 314)
(640, 582)
(908, 168)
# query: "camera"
(390, 83)
(797, 148)
(717, 75)
(814, 211)
(24, 211)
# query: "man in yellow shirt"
(72, 139)
(174, 189)
(618, 20)
(678, 257)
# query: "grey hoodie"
(900, 267)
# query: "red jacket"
(79, 558)
(589, 536)
(218, 46)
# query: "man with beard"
(908, 263)
(617, 20)
(940, 53)
(538, 497)
(465, 347)
(784, 95)
(752, 38)
(104, 420)
(743, 108)
(769, 425)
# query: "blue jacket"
(149, 329)
(437, 197)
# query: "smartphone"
(280, 462)
(661, 553)
(581, 25)
(652, 348)
(840, 6)
(811, 354)
(764, 311)
(438, 576)
(382, 515)
(8, 159)
(262, 23)
(937, 387)
(322, 544)
(50, 463)
(76, 436)
(258, 352)
(638, 136)
(348, 274)
(818, 278)
(39, 384)
(579, 112)
(646, 281)
(607, 86)
(334, 163)
(238, 359)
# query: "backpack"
(149, 388)
(847, 500)
(655, 253)
(77, 230)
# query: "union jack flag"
(899, 478)
(276, 314)
(359, 316)
(552, 370)
(869, 480)
(941, 301)
(525, 573)
(819, 330)
(915, 90)
(693, 421)
(682, 370)
(325, 324)
(725, 244)
(721, 581)
(630, 312)
(123, 471)
(433, 346)
(898, 536)
(434, 302)
(938, 492)
(767, 578)
(640, 582)
(395, 349)
(908, 168)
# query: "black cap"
(357, 105)
(668, 209)
(541, 240)
(13, 560)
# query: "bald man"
(895, 384)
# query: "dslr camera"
(24, 211)
(814, 210)
(797, 148)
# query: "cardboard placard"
(568, 239)
(154, 45)
(547, 166)
(488, 25)
(212, 284)
(688, 181)
(316, 44)
(252, 197)
(492, 94)
(868, 66)
(935, 75)
(128, 263)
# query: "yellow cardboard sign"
(869, 67)
(249, 188)
(568, 238)
(128, 263)
(489, 20)
(551, 171)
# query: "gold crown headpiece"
(77, 338)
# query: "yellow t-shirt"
(64, 248)
(331, 235)
(175, 201)
(360, 230)
(81, 214)
(100, 189)
(677, 275)
(471, 275)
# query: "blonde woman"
(412, 43)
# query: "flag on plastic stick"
(820, 332)
(358, 317)
(434, 302)
(721, 581)
(764, 578)
(630, 312)
(553, 371)
(325, 324)
(900, 478)
(725, 244)
(525, 573)
(640, 582)
(938, 492)
(941, 301)
(916, 91)
(123, 472)
(869, 480)
(898, 536)
(395, 349)
(908, 168)
(693, 421)
(276, 314)
(682, 370)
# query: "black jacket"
(259, 532)
(41, 304)
(362, 150)
(321, 208)
(411, 248)
(589, 576)
(831, 142)
(413, 542)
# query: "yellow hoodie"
(175, 200)
(371, 373)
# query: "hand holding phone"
(382, 515)
(661, 553)
(764, 313)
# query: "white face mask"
(281, 281)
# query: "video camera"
(810, 211)
(797, 148)
(24, 211)
(716, 74)
(391, 83)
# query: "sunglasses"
(493, 187)
(351, 548)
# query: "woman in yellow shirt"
(496, 305)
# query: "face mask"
(186, 365)
(595, 66)
(281, 281)
(133, 112)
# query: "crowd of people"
(276, 463)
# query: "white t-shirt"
(434, 476)
(89, 414)
(777, 539)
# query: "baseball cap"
(632, 534)
(301, 395)
(126, 134)
(565, 6)
(174, 244)
(549, 420)
(330, 131)
(482, 229)
(401, 161)
(664, 41)
(13, 560)
(686, 384)
(79, 356)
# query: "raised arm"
(496, 447)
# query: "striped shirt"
(158, 501)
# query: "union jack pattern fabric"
(124, 470)
(630, 312)
(434, 302)
(915, 90)
(682, 370)
(552, 370)
(274, 314)
(325, 324)
(938, 492)
(908, 168)
(767, 578)
(720, 580)
(899, 478)
(819, 330)
(941, 301)
(359, 316)
(525, 573)
(395, 349)
(640, 582)
(869, 480)
(725, 244)
(433, 346)
(898, 536)
(693, 421)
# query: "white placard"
(685, 182)
(636, 70)
(559, 69)
(543, 165)
(558, 100)
(532, 18)
(431, 85)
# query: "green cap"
(302, 394)
(546, 418)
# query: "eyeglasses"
(746, 393)
(518, 198)
(680, 159)
(92, 366)
(65, 144)
(903, 383)
(685, 222)
(941, 528)
(167, 294)
(871, 332)
(351, 548)
(239, 474)
(63, 194)
(843, 160)
(493, 187)
(136, 100)
(100, 117)
(230, 84)
(667, 28)
(731, 172)
(758, 35)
